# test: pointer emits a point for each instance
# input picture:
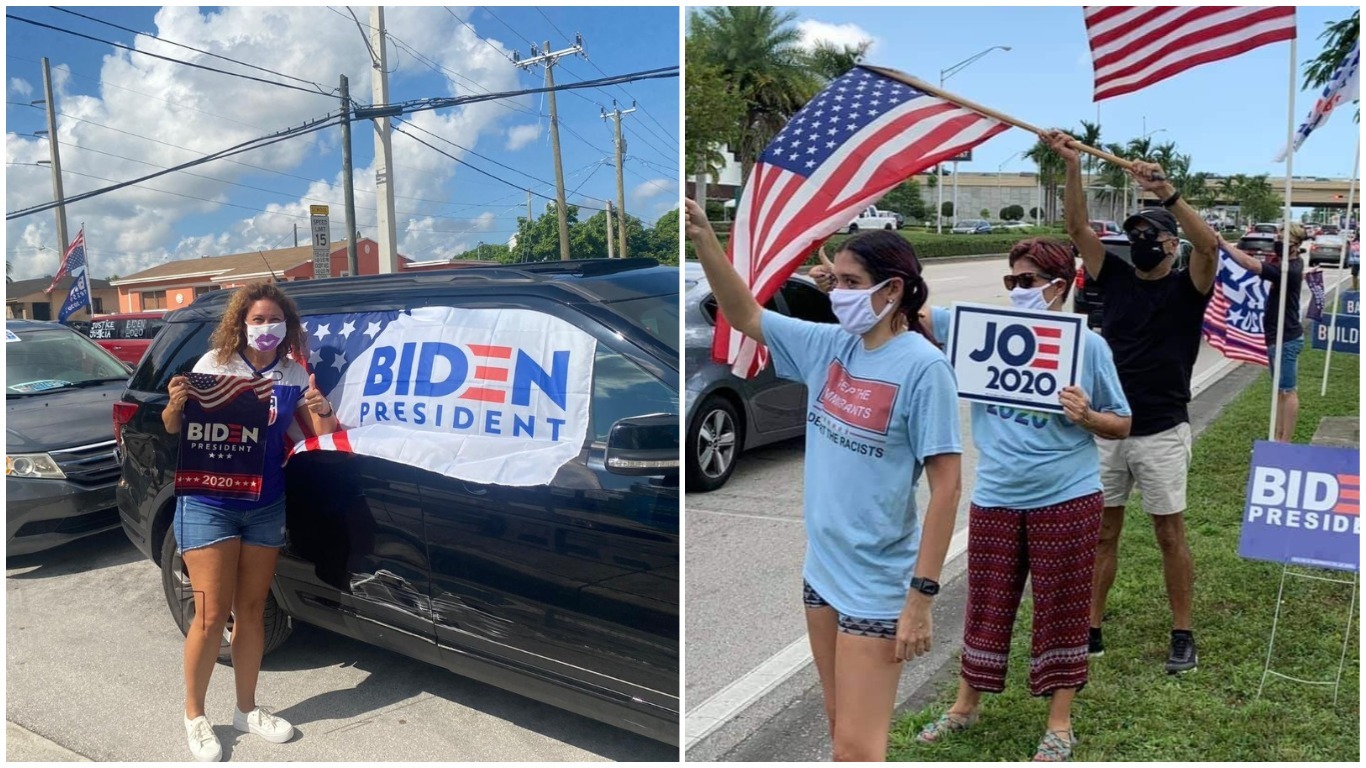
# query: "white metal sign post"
(322, 249)
(1015, 357)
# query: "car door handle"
(474, 490)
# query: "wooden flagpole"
(921, 85)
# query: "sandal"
(1054, 748)
(946, 724)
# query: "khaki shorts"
(1157, 463)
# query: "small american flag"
(74, 257)
(213, 391)
(861, 136)
(1133, 47)
(1233, 317)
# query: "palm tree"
(1116, 181)
(1051, 173)
(757, 50)
(829, 61)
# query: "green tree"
(1013, 212)
(714, 111)
(985, 213)
(829, 61)
(664, 238)
(539, 240)
(905, 198)
(1051, 172)
(757, 51)
(1341, 36)
(946, 210)
(1258, 199)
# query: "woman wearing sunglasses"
(1035, 512)
(881, 406)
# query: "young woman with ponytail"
(881, 408)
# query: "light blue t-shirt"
(872, 419)
(1029, 459)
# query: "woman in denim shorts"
(1292, 277)
(230, 545)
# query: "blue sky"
(1229, 116)
(126, 114)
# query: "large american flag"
(1133, 47)
(213, 391)
(861, 136)
(1233, 317)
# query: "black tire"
(180, 599)
(715, 440)
(853, 228)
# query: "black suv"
(566, 593)
(1087, 298)
(60, 388)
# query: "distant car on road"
(1104, 227)
(971, 227)
(727, 415)
(60, 469)
(1087, 298)
(1264, 228)
(126, 335)
(870, 218)
(1013, 225)
(1326, 248)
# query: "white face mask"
(854, 308)
(1030, 298)
(265, 337)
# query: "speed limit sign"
(322, 261)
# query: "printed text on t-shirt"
(862, 403)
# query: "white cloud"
(654, 188)
(813, 32)
(20, 86)
(185, 113)
(521, 135)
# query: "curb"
(23, 745)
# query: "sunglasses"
(1026, 280)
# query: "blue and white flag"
(1344, 85)
(1233, 318)
(74, 264)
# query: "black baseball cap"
(1160, 218)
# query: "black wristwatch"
(927, 587)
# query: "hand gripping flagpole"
(1342, 264)
(921, 85)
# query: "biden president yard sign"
(1303, 506)
(1015, 357)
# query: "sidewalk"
(25, 746)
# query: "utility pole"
(550, 59)
(616, 114)
(62, 241)
(609, 230)
(296, 235)
(384, 153)
(528, 207)
(348, 183)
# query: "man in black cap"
(1152, 320)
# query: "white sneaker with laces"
(263, 724)
(203, 742)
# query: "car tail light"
(1081, 278)
(123, 413)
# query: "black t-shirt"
(1153, 328)
(1272, 274)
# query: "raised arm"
(1250, 263)
(1076, 218)
(732, 295)
(1204, 263)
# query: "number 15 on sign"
(1015, 357)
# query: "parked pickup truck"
(870, 218)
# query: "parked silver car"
(727, 415)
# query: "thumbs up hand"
(824, 272)
(314, 399)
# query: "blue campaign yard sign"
(1351, 304)
(1346, 334)
(1303, 506)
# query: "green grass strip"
(1131, 709)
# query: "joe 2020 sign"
(1015, 356)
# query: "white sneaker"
(203, 742)
(263, 724)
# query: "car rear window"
(1257, 244)
(174, 351)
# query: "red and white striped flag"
(214, 391)
(1133, 47)
(1233, 317)
(861, 136)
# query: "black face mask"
(1146, 252)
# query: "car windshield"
(970, 223)
(658, 315)
(43, 359)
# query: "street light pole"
(945, 74)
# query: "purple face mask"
(265, 337)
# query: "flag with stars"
(223, 437)
(334, 342)
(1233, 317)
(855, 141)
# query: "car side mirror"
(129, 366)
(643, 445)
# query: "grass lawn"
(1131, 709)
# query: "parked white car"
(869, 218)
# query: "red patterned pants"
(1055, 547)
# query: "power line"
(477, 35)
(192, 48)
(490, 12)
(552, 25)
(436, 67)
(165, 58)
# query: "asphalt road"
(746, 660)
(93, 670)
